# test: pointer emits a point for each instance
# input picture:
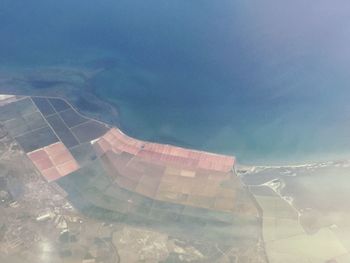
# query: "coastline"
(277, 178)
(183, 150)
(71, 82)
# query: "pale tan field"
(287, 242)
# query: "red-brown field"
(54, 161)
(172, 174)
(117, 141)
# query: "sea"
(266, 81)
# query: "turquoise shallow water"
(266, 81)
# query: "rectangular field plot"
(24, 106)
(16, 127)
(34, 121)
(89, 131)
(26, 123)
(44, 106)
(72, 118)
(59, 104)
(37, 139)
(16, 109)
(8, 112)
(62, 131)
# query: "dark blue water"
(267, 81)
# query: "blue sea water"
(267, 81)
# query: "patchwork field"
(191, 196)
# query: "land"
(75, 189)
(305, 213)
(100, 209)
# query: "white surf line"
(253, 168)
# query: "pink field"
(54, 161)
(115, 140)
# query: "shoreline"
(238, 167)
(180, 150)
(93, 106)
